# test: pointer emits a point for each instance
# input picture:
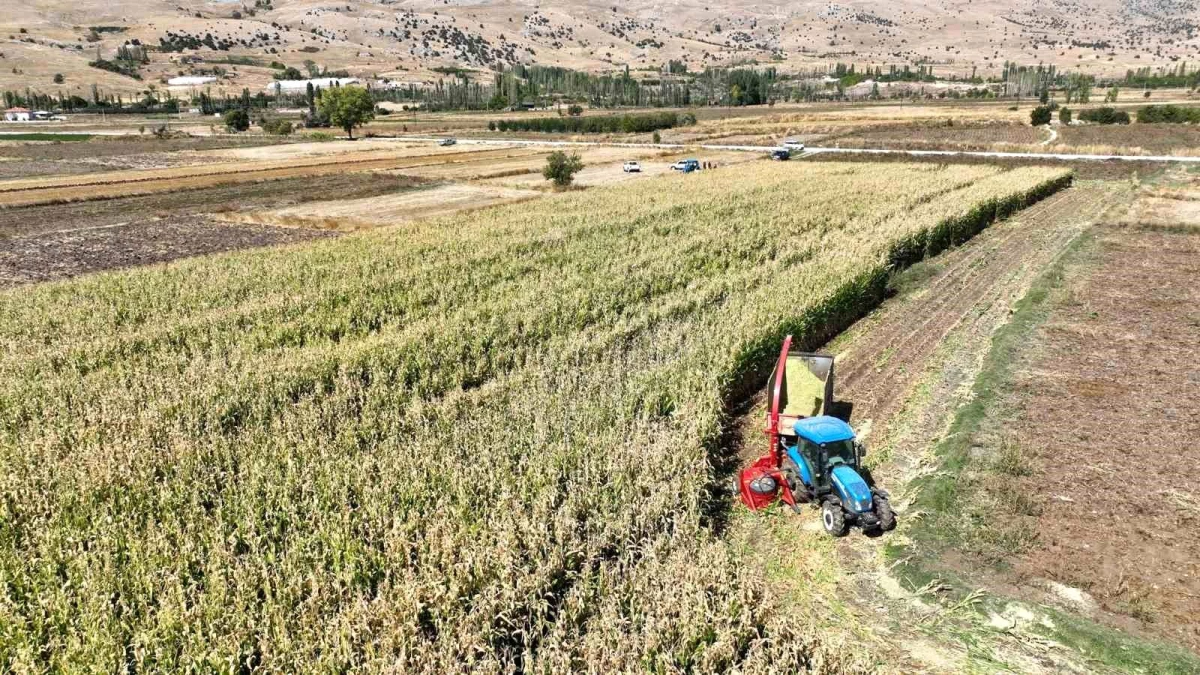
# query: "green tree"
(236, 120)
(561, 168)
(1064, 115)
(497, 102)
(1040, 116)
(574, 110)
(657, 138)
(347, 107)
(58, 78)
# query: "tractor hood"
(851, 488)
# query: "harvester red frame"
(770, 465)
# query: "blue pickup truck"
(686, 165)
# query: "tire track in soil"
(939, 334)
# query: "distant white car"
(631, 167)
(447, 142)
(793, 145)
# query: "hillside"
(405, 39)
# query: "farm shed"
(17, 115)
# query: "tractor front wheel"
(883, 511)
(833, 519)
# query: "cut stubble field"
(476, 442)
(53, 241)
(108, 185)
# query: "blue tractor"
(813, 458)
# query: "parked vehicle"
(445, 142)
(631, 167)
(781, 155)
(793, 145)
(686, 165)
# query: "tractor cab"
(812, 456)
(819, 446)
(823, 464)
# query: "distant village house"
(301, 86)
(17, 115)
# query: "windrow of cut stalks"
(476, 443)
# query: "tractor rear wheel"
(833, 519)
(883, 511)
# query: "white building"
(17, 115)
(301, 86)
(191, 81)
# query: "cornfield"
(481, 443)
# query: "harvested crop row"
(478, 443)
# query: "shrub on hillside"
(236, 120)
(1105, 116)
(1040, 116)
(1168, 114)
(276, 126)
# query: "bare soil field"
(12, 168)
(303, 149)
(948, 135)
(1104, 416)
(47, 242)
(42, 219)
(67, 253)
(1054, 511)
(119, 153)
(1107, 416)
(135, 145)
(122, 183)
(1133, 139)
